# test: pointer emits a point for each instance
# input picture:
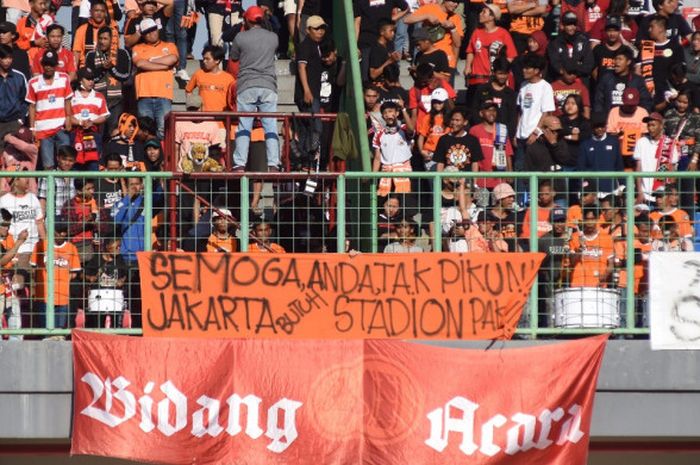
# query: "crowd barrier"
(340, 212)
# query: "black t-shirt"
(108, 193)
(676, 28)
(392, 94)
(311, 7)
(555, 248)
(370, 12)
(506, 101)
(20, 62)
(108, 272)
(510, 227)
(379, 55)
(665, 56)
(309, 52)
(458, 151)
(604, 59)
(437, 59)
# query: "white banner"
(674, 291)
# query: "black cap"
(420, 34)
(49, 59)
(7, 26)
(589, 188)
(86, 73)
(486, 104)
(569, 18)
(613, 22)
(388, 104)
(557, 215)
(599, 120)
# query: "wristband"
(537, 132)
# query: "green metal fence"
(362, 183)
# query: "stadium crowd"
(519, 85)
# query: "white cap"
(148, 25)
(440, 95)
(222, 212)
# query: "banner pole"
(629, 256)
(437, 205)
(148, 212)
(245, 216)
(534, 294)
(49, 248)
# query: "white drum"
(106, 300)
(587, 307)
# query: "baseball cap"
(420, 34)
(613, 22)
(486, 104)
(569, 18)
(557, 215)
(315, 21)
(440, 95)
(630, 97)
(254, 14)
(494, 9)
(589, 188)
(503, 190)
(148, 25)
(7, 26)
(49, 59)
(85, 73)
(654, 117)
(599, 120)
(222, 213)
(152, 143)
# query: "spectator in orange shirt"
(545, 202)
(86, 36)
(155, 61)
(66, 268)
(221, 239)
(627, 122)
(591, 253)
(669, 207)
(211, 81)
(26, 26)
(262, 232)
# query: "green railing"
(366, 182)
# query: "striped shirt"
(49, 99)
(89, 108)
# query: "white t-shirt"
(533, 100)
(645, 152)
(26, 210)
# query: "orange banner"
(251, 402)
(328, 296)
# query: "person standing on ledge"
(255, 50)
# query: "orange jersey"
(66, 261)
(595, 253)
(5, 245)
(445, 44)
(157, 84)
(526, 24)
(274, 248)
(431, 133)
(685, 228)
(630, 128)
(543, 224)
(213, 88)
(216, 244)
(640, 269)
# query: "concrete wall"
(643, 397)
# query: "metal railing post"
(340, 205)
(533, 239)
(629, 256)
(373, 216)
(245, 213)
(437, 206)
(49, 284)
(148, 212)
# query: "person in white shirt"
(26, 215)
(535, 101)
(654, 152)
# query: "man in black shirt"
(382, 55)
(677, 28)
(367, 15)
(667, 53)
(498, 91)
(611, 87)
(20, 59)
(604, 52)
(458, 148)
(428, 53)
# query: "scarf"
(91, 39)
(647, 56)
(664, 159)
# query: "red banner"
(332, 402)
(335, 296)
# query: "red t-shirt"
(486, 46)
(487, 140)
(66, 62)
(562, 90)
(420, 98)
